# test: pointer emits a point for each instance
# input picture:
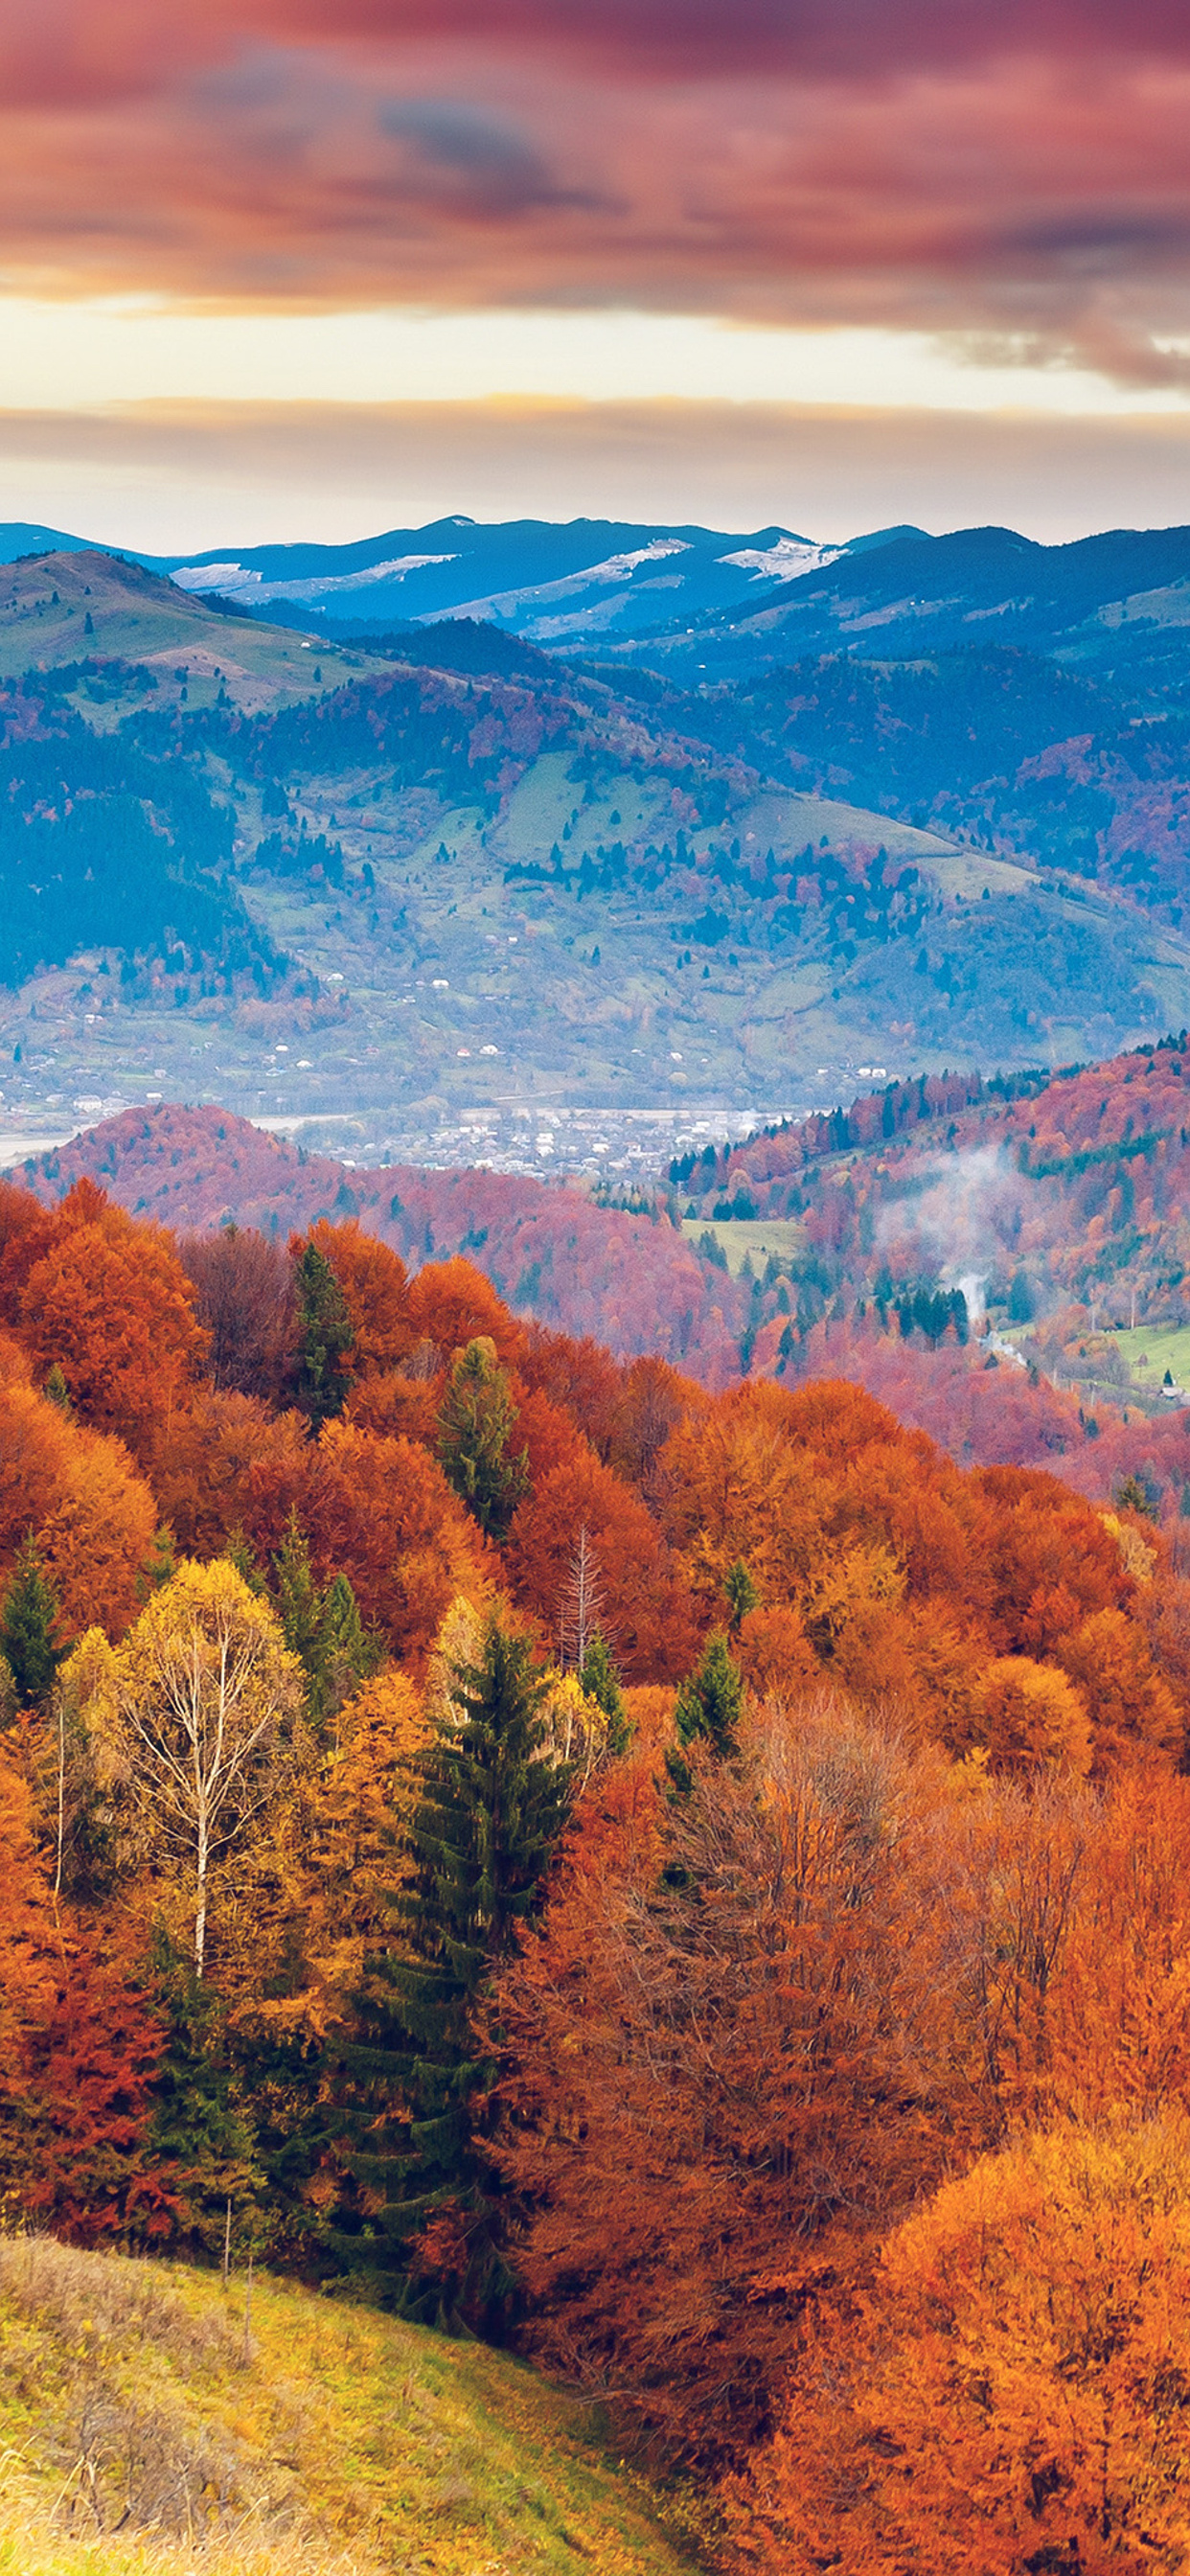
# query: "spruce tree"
(326, 1337)
(27, 1628)
(323, 1628)
(741, 1593)
(415, 2076)
(475, 1427)
(601, 1682)
(297, 1599)
(203, 2133)
(707, 1709)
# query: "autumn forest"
(691, 1886)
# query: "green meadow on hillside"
(143, 2430)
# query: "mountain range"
(706, 603)
(560, 585)
(461, 889)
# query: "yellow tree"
(1027, 1716)
(206, 1694)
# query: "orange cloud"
(190, 476)
(1020, 171)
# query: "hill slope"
(1072, 1186)
(105, 618)
(137, 2402)
(1100, 602)
(633, 1282)
(543, 889)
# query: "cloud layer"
(172, 476)
(1017, 173)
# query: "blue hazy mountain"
(1101, 602)
(708, 603)
(562, 586)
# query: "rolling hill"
(464, 898)
(106, 618)
(146, 2413)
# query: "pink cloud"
(1014, 171)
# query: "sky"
(313, 268)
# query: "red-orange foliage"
(451, 1304)
(375, 1285)
(109, 1303)
(649, 1613)
(732, 2054)
(92, 1515)
(382, 1510)
(89, 2068)
(243, 1297)
(26, 1233)
(1008, 2395)
(225, 1460)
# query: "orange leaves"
(375, 1285)
(92, 1516)
(451, 1304)
(383, 1509)
(1028, 1716)
(1132, 1710)
(1011, 2395)
(725, 2041)
(647, 1608)
(109, 1303)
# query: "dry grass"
(141, 2433)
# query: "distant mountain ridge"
(560, 585)
(1122, 597)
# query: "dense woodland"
(691, 1883)
(873, 1221)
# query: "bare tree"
(243, 1293)
(581, 1610)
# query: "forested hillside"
(716, 894)
(576, 1857)
(821, 1288)
(1043, 1188)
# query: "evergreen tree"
(322, 1628)
(475, 1427)
(160, 1565)
(27, 1628)
(601, 1682)
(348, 1651)
(326, 1337)
(490, 1808)
(297, 1599)
(240, 1552)
(741, 1592)
(202, 2135)
(707, 1709)
(57, 1390)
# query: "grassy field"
(143, 2431)
(1152, 1349)
(757, 1236)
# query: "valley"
(409, 906)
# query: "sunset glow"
(956, 212)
